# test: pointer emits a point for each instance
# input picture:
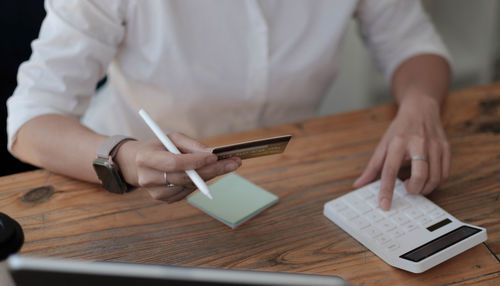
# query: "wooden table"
(63, 217)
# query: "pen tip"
(206, 191)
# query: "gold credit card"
(252, 149)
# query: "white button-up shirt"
(202, 67)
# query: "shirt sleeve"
(395, 30)
(77, 41)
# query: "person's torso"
(211, 67)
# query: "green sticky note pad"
(235, 200)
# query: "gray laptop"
(28, 271)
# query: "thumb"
(372, 169)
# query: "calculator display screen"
(440, 243)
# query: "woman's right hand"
(149, 165)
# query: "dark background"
(19, 25)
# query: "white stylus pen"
(197, 180)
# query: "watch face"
(109, 176)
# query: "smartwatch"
(107, 171)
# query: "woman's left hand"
(415, 134)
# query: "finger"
(395, 154)
(187, 144)
(181, 195)
(166, 161)
(434, 168)
(373, 167)
(147, 177)
(219, 168)
(419, 168)
(445, 153)
(446, 160)
(206, 173)
(164, 193)
(179, 178)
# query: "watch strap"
(110, 146)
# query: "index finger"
(169, 162)
(395, 154)
(187, 144)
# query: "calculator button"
(374, 215)
(374, 189)
(349, 214)
(400, 204)
(363, 208)
(365, 194)
(409, 227)
(372, 232)
(414, 213)
(375, 185)
(358, 204)
(338, 206)
(400, 190)
(360, 223)
(414, 199)
(436, 214)
(352, 198)
(383, 239)
(397, 233)
(424, 220)
(373, 202)
(391, 212)
(400, 219)
(427, 207)
(386, 225)
(392, 246)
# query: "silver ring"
(169, 185)
(419, 157)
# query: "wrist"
(125, 160)
(419, 101)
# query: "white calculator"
(414, 235)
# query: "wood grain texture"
(80, 220)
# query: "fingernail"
(231, 166)
(211, 159)
(385, 204)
